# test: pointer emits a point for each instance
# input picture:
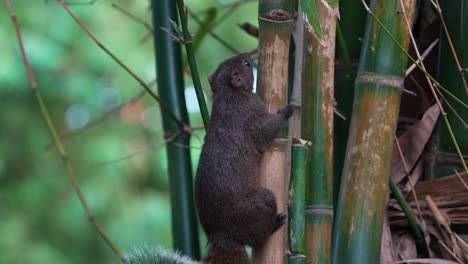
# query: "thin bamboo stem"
(344, 51)
(297, 189)
(408, 173)
(413, 222)
(193, 64)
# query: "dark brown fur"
(233, 208)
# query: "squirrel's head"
(235, 73)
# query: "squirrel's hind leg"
(260, 218)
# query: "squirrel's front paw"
(280, 221)
(286, 111)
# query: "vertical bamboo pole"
(275, 27)
(456, 19)
(352, 22)
(171, 90)
(299, 152)
(317, 120)
(361, 204)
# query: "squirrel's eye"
(247, 63)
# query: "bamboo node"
(381, 79)
(278, 15)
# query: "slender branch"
(461, 179)
(12, 14)
(408, 173)
(450, 252)
(420, 59)
(449, 40)
(344, 51)
(133, 17)
(133, 154)
(164, 106)
(58, 143)
(423, 56)
(211, 33)
(193, 64)
(114, 110)
(228, 5)
(413, 222)
(90, 2)
(451, 108)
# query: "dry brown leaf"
(447, 193)
(412, 143)
(405, 245)
(387, 253)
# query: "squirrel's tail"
(160, 255)
(155, 255)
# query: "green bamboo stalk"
(412, 220)
(361, 204)
(317, 120)
(344, 51)
(193, 64)
(349, 32)
(449, 76)
(275, 27)
(171, 90)
(297, 189)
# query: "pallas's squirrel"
(234, 210)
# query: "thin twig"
(133, 17)
(211, 33)
(423, 57)
(133, 154)
(163, 105)
(32, 79)
(420, 59)
(57, 141)
(114, 110)
(227, 5)
(449, 40)
(408, 173)
(90, 2)
(461, 179)
(450, 251)
(451, 108)
(184, 146)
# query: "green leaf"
(312, 23)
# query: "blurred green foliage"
(41, 219)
